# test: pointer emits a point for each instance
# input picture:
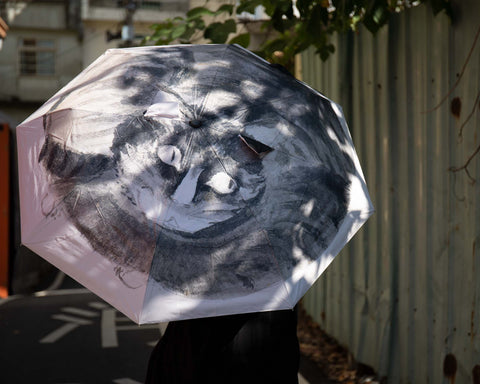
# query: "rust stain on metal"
(323, 316)
(450, 367)
(456, 107)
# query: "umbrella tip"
(195, 123)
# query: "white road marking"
(75, 317)
(98, 305)
(71, 319)
(109, 333)
(163, 328)
(10, 298)
(81, 312)
(62, 292)
(301, 379)
(59, 333)
(126, 381)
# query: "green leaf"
(270, 8)
(198, 23)
(441, 5)
(218, 32)
(162, 42)
(188, 35)
(303, 6)
(198, 12)
(324, 53)
(243, 40)
(178, 31)
(318, 17)
(248, 6)
(376, 16)
(317, 22)
(277, 20)
(273, 45)
(225, 8)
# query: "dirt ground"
(334, 361)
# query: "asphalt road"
(71, 336)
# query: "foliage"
(297, 25)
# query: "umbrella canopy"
(189, 181)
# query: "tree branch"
(459, 76)
(464, 167)
(475, 105)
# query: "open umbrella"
(189, 181)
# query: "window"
(37, 57)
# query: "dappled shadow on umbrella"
(153, 161)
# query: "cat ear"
(66, 164)
(255, 146)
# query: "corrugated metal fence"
(404, 296)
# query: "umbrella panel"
(165, 188)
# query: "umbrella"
(189, 181)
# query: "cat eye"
(171, 155)
(258, 148)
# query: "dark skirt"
(248, 348)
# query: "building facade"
(48, 43)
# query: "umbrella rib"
(204, 103)
(195, 98)
(76, 200)
(98, 208)
(189, 150)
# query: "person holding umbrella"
(193, 182)
(250, 348)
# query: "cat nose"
(185, 191)
(222, 183)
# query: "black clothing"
(250, 348)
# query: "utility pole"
(128, 30)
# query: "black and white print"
(202, 166)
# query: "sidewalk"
(72, 336)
